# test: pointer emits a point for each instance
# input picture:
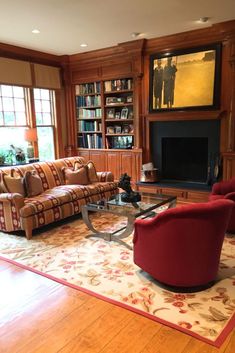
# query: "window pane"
(20, 118)
(46, 106)
(39, 120)
(47, 120)
(19, 105)
(45, 94)
(8, 104)
(9, 118)
(11, 136)
(6, 91)
(45, 143)
(36, 93)
(12, 100)
(18, 92)
(38, 107)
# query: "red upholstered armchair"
(181, 246)
(225, 190)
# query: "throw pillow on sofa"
(92, 175)
(12, 184)
(78, 176)
(33, 183)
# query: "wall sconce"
(30, 135)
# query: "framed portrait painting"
(185, 79)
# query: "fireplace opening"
(185, 158)
(185, 152)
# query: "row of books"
(89, 125)
(90, 140)
(88, 101)
(87, 113)
(87, 88)
(118, 85)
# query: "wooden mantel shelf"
(186, 115)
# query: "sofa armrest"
(15, 199)
(105, 176)
(10, 205)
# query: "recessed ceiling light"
(35, 31)
(203, 19)
(135, 34)
(83, 45)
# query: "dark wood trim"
(20, 53)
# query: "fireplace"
(185, 151)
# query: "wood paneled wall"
(132, 59)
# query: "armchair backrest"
(182, 245)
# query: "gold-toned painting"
(185, 80)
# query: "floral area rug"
(106, 270)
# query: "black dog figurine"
(129, 195)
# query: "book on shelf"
(88, 101)
(118, 85)
(89, 113)
(84, 125)
(90, 140)
(88, 88)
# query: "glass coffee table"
(145, 208)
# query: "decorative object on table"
(149, 173)
(19, 154)
(30, 136)
(129, 195)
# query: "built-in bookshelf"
(89, 115)
(118, 113)
(105, 114)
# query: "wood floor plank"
(197, 346)
(230, 347)
(38, 315)
(101, 332)
(167, 340)
(66, 329)
(34, 317)
(134, 337)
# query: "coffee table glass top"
(115, 205)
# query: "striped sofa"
(57, 201)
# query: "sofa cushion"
(12, 184)
(63, 194)
(92, 175)
(33, 183)
(78, 176)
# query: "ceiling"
(65, 24)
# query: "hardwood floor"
(38, 315)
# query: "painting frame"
(192, 63)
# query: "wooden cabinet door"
(98, 157)
(126, 161)
(84, 154)
(113, 164)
